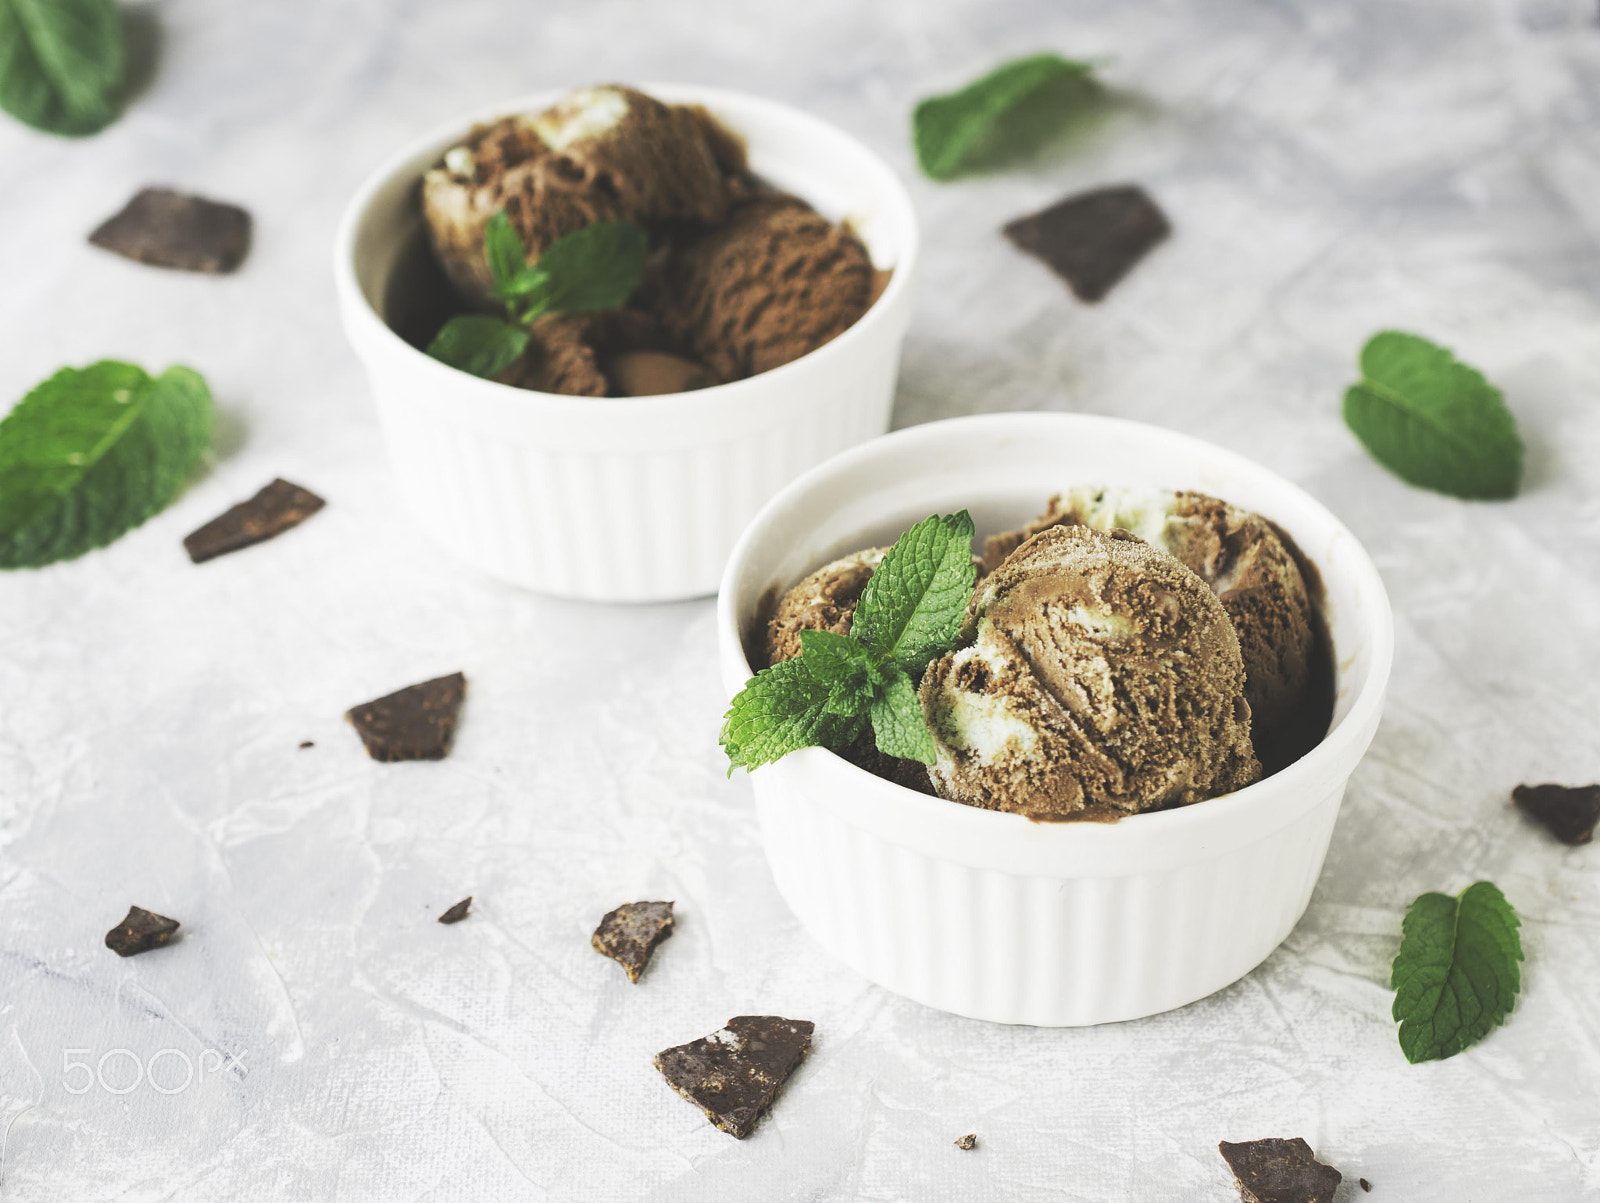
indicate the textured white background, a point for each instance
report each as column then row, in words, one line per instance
column 1331, row 167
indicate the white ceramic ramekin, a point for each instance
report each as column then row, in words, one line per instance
column 625, row 499
column 987, row 914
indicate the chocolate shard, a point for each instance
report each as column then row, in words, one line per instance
column 273, row 510
column 1279, row 1171
column 1093, row 239
column 1570, row 812
column 171, row 229
column 629, row 934
column 458, row 912
column 141, row 931
column 969, row 1141
column 414, row 723
column 734, row 1074
column 1365, row 1185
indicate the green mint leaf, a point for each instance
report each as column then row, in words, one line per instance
column 781, row 710
column 912, row 607
column 91, row 453
column 484, row 346
column 948, row 129
column 847, row 667
column 1456, row 976
column 503, row 249
column 61, row 63
column 1432, row 421
column 898, row 723
column 597, row 267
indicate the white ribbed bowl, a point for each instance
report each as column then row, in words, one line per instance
column 625, row 499
column 987, row 914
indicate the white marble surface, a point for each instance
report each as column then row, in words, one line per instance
column 1331, row 167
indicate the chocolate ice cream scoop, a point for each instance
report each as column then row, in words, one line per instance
column 1248, row 566
column 601, row 154
column 824, row 601
column 1103, row 678
column 772, row 283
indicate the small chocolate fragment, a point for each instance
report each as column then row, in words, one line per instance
column 171, row 229
column 1570, row 812
column 1279, row 1171
column 306, row 743
column 414, row 723
column 1365, row 1185
column 273, row 510
column 655, row 373
column 969, row 1141
column 734, row 1074
column 458, row 912
column 141, row 931
column 629, row 934
column 1092, row 240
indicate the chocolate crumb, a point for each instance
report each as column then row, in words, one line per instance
column 306, row 743
column 969, row 1141
column 414, row 723
column 1365, row 1185
column 141, row 931
column 458, row 912
column 629, row 934
column 1279, row 1171
column 734, row 1074
column 277, row 508
column 170, row 229
column 1569, row 812
column 1093, row 239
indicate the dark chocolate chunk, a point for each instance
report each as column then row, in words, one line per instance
column 1093, row 239
column 170, row 229
column 306, row 743
column 458, row 912
column 1570, row 812
column 1279, row 1171
column 414, row 723
column 1365, row 1185
column 275, row 509
column 969, row 1141
column 734, row 1074
column 629, row 934
column 141, row 931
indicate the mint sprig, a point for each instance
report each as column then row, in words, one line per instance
column 594, row 268
column 91, row 453
column 1433, row 421
column 949, row 129
column 910, row 612
column 61, row 63
column 1456, row 976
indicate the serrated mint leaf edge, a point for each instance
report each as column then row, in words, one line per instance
column 780, row 710
column 908, row 621
column 1419, row 1037
column 1495, row 471
column 899, row 726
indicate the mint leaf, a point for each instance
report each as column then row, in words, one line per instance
column 781, row 710
column 484, row 346
column 91, row 453
column 597, row 267
column 61, row 63
column 503, row 249
column 912, row 607
column 1456, row 976
column 847, row 667
column 947, row 129
column 1432, row 421
column 898, row 723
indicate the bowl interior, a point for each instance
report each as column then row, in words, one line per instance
column 793, row 150
column 1003, row 468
